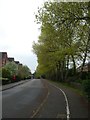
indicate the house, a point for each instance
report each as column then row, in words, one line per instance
column 3, row 58
column 20, row 64
column 17, row 62
column 10, row 59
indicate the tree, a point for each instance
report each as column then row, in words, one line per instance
column 64, row 38
column 12, row 68
column 6, row 73
column 24, row 72
column 0, row 72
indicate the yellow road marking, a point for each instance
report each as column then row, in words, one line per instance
column 41, row 105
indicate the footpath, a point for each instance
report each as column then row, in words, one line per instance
column 11, row 85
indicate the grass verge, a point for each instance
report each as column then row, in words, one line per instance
column 67, row 85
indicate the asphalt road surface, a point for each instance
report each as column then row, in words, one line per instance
column 40, row 99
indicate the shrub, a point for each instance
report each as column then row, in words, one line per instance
column 86, row 87
column 5, row 81
column 5, row 73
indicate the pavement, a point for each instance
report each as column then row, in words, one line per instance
column 11, row 85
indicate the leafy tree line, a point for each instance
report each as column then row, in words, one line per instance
column 64, row 42
column 14, row 72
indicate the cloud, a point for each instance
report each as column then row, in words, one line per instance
column 18, row 29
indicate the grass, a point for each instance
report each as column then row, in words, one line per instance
column 67, row 85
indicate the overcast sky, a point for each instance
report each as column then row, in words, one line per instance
column 18, row 29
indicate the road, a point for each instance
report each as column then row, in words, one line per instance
column 40, row 99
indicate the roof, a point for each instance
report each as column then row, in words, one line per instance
column 17, row 62
column 3, row 54
column 11, row 59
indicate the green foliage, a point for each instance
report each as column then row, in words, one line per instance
column 86, row 87
column 12, row 68
column 23, row 72
column 64, row 38
column 6, row 73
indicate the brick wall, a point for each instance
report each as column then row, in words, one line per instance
column 3, row 58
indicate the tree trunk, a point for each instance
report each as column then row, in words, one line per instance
column 85, row 55
column 74, row 65
column 67, row 68
column 58, row 66
column 63, row 66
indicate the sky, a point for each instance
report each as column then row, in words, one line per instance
column 18, row 30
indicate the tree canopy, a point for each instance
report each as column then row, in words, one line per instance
column 64, row 42
column 12, row 69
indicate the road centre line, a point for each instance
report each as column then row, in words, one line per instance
column 40, row 106
column 66, row 100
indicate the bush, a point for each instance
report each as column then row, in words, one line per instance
column 5, row 73
column 86, row 87
column 5, row 81
column 85, row 75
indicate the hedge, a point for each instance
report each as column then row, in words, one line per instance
column 86, row 87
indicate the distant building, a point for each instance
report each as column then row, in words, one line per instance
column 10, row 59
column 86, row 67
column 20, row 64
column 3, row 58
column 17, row 62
